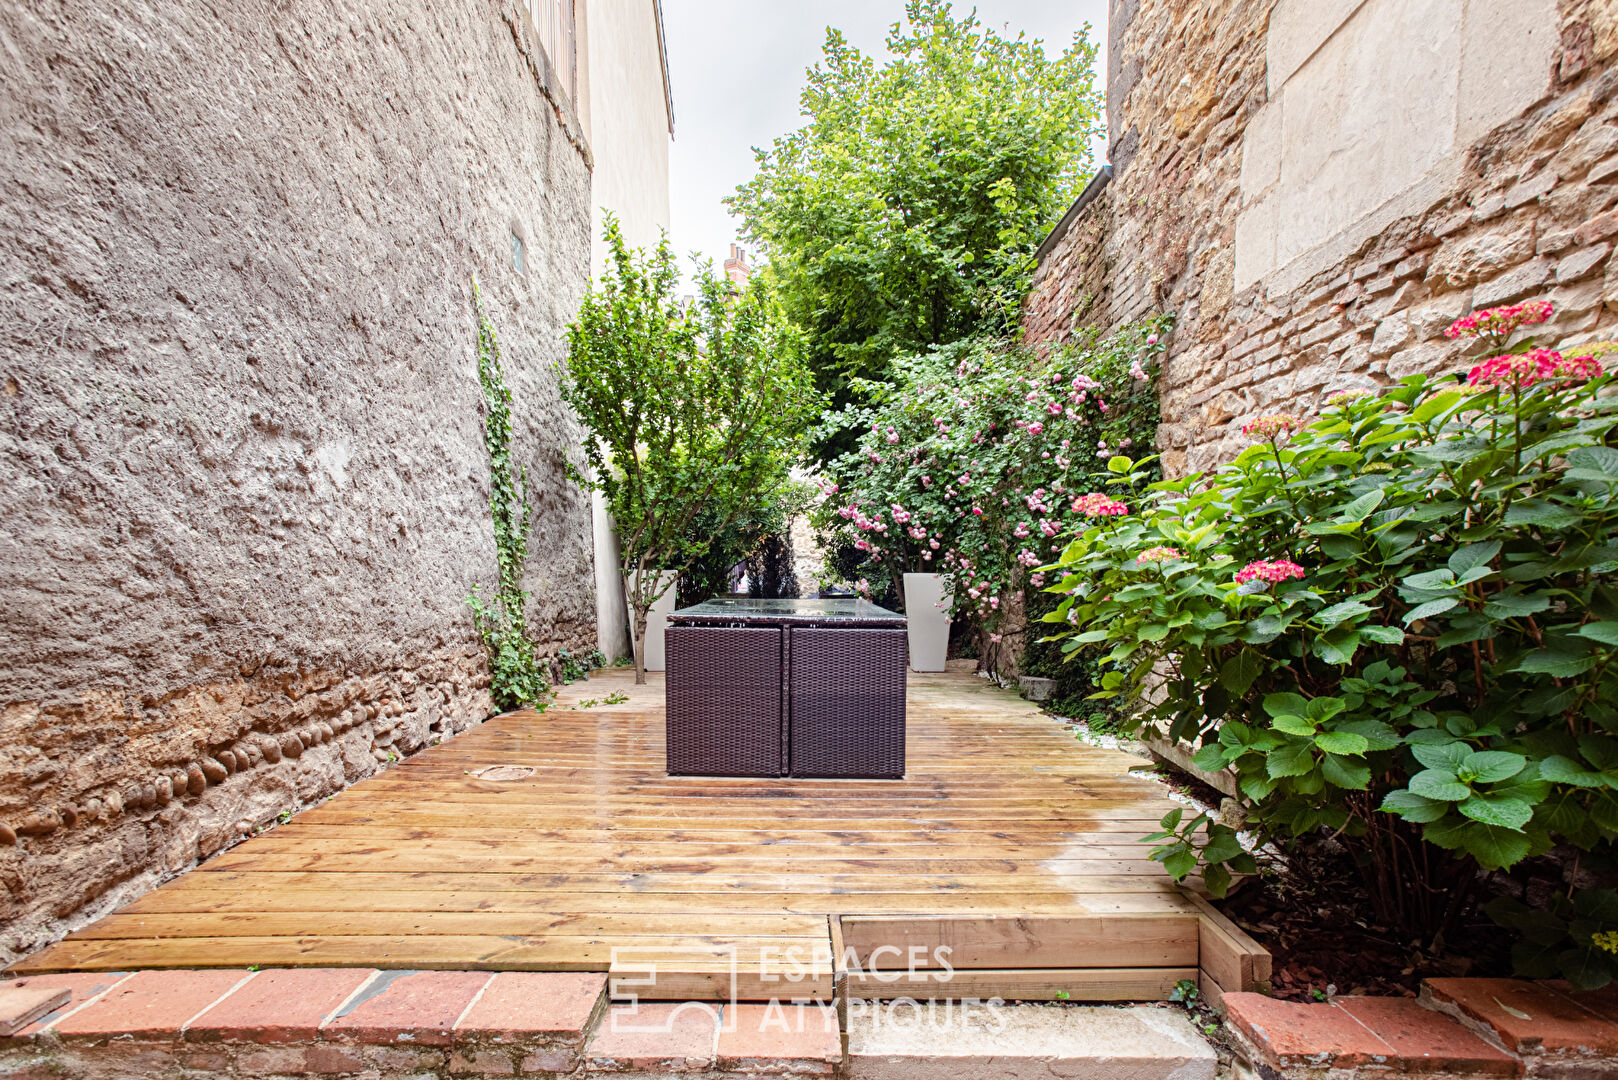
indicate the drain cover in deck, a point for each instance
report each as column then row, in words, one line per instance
column 504, row 772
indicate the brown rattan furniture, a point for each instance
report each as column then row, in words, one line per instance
column 786, row 688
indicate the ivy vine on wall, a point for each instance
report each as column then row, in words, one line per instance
column 517, row 676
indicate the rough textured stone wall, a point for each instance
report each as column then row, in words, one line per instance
column 242, row 482
column 1528, row 213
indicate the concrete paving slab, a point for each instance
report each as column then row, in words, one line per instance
column 910, row 1041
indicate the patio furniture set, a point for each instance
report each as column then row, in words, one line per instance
column 801, row 688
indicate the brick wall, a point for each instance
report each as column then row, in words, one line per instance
column 243, row 489
column 1526, row 211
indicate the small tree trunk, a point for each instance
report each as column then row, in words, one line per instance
column 640, row 644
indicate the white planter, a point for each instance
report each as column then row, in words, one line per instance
column 927, row 612
column 657, row 620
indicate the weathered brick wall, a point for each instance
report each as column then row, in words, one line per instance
column 1071, row 285
column 243, row 491
column 1529, row 214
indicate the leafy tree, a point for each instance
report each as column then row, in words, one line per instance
column 742, row 540
column 690, row 410
column 905, row 213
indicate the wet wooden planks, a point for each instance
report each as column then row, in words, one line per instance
column 599, row 861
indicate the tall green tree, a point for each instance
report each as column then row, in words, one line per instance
column 692, row 410
column 905, row 213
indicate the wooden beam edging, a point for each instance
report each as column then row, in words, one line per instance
column 1228, row 959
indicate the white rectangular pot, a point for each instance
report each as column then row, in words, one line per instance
column 927, row 615
column 657, row 620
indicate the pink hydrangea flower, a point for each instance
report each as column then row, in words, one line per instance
column 1272, row 428
column 1274, row 571
column 1500, row 321
column 1095, row 504
column 1157, row 555
column 1537, row 365
column 1343, row 397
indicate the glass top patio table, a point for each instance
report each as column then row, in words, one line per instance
column 746, row 611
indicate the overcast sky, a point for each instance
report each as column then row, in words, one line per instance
column 737, row 68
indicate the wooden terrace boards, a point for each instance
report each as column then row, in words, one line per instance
column 1008, row 841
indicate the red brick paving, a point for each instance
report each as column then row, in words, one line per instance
column 524, row 1004
column 279, row 1006
column 419, row 1007
column 759, row 1036
column 1293, row 1033
column 652, row 1036
column 150, row 1004
column 81, row 985
column 1529, row 1016
column 1424, row 1040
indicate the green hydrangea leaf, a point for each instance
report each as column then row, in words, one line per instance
column 1438, row 784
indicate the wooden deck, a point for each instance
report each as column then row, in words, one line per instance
column 1008, row 841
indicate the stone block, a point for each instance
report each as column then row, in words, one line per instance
column 1597, row 228
column 907, row 1041
column 1489, row 207
column 1255, row 244
column 1512, row 285
column 1392, row 334
column 1261, row 152
column 1526, row 191
column 1490, row 93
column 1581, row 263
column 1603, row 170
column 1297, row 29
column 1481, row 253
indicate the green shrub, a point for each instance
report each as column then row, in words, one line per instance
column 965, row 466
column 1398, row 623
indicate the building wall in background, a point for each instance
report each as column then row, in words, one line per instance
column 1319, row 189
column 629, row 120
column 243, row 489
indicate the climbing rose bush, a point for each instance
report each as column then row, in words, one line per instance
column 979, row 457
column 1397, row 623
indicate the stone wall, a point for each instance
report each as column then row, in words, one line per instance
column 243, row 491
column 1314, row 221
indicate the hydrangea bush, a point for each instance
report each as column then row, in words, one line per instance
column 973, row 462
column 1397, row 623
